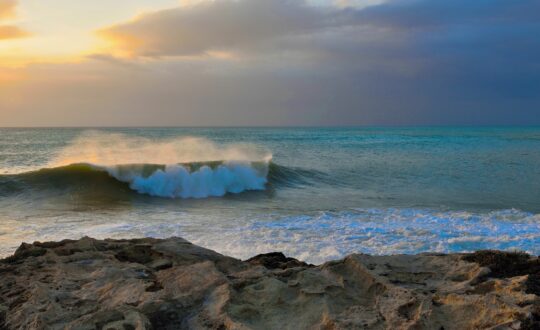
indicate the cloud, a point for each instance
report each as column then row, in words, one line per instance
column 7, row 11
column 406, row 14
column 398, row 62
column 404, row 35
column 11, row 32
column 356, row 3
column 223, row 24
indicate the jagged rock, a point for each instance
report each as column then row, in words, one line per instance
column 173, row 284
column 275, row 260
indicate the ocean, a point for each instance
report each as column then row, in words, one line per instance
column 313, row 193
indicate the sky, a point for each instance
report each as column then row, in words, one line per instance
column 269, row 62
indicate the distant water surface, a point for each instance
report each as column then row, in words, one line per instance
column 313, row 193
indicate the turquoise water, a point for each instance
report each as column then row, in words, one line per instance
column 316, row 194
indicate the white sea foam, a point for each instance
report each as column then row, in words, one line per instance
column 312, row 237
column 330, row 235
column 178, row 181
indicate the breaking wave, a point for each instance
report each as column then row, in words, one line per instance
column 182, row 167
column 193, row 180
column 185, row 180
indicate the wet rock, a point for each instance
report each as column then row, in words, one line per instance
column 509, row 264
column 24, row 251
column 505, row 264
column 138, row 253
column 275, row 260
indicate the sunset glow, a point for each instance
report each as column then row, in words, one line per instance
column 268, row 62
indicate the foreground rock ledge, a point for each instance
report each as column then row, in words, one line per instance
column 173, row 284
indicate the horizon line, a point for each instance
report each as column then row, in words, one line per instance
column 284, row 126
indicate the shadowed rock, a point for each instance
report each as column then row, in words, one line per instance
column 509, row 264
column 275, row 260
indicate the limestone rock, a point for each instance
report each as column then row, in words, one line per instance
column 173, row 284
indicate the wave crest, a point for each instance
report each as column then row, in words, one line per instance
column 107, row 164
column 184, row 182
column 195, row 167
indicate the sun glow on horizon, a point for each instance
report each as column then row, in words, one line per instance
column 58, row 31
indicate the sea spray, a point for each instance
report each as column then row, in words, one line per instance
column 109, row 149
column 191, row 167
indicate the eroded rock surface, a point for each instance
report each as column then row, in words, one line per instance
column 173, row 284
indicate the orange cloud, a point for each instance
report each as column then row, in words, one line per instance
column 122, row 44
column 10, row 76
column 11, row 32
column 216, row 26
column 7, row 9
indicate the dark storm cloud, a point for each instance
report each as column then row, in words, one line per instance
column 444, row 13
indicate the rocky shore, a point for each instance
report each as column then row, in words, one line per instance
column 173, row 284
